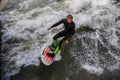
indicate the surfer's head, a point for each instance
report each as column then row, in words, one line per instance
column 69, row 18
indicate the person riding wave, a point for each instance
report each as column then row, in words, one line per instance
column 67, row 34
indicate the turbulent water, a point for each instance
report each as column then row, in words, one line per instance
column 25, row 34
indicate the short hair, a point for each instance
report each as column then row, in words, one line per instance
column 70, row 16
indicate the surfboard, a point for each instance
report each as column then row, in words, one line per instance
column 47, row 60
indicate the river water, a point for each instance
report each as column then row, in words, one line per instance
column 94, row 51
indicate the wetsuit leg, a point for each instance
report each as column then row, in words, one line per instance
column 55, row 42
column 64, row 39
column 60, row 34
column 60, row 44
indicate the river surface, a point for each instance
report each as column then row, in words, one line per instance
column 93, row 53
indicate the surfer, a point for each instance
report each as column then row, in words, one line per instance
column 67, row 34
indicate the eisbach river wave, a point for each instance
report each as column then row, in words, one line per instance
column 95, row 47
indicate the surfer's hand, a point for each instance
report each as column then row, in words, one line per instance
column 67, row 41
column 49, row 28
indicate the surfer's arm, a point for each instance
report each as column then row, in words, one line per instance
column 58, row 23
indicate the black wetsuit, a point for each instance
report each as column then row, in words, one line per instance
column 67, row 32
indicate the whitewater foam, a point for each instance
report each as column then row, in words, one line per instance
column 93, row 69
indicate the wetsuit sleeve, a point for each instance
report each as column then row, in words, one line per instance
column 58, row 23
column 72, row 32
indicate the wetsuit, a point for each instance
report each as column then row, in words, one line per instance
column 67, row 33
